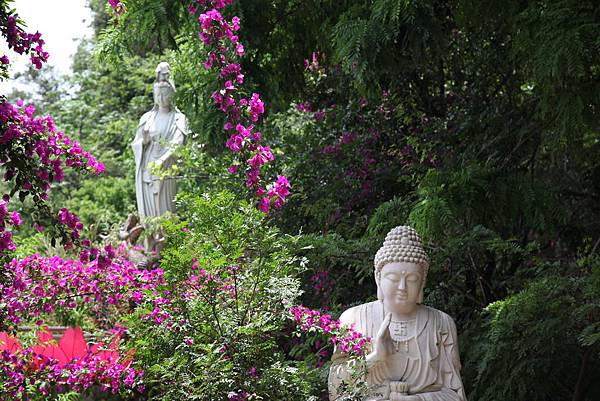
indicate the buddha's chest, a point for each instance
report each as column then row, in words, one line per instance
column 401, row 363
column 405, row 349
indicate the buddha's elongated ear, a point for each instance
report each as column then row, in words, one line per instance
column 424, row 269
column 377, row 282
column 420, row 297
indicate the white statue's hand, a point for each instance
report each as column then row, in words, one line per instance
column 382, row 346
column 145, row 137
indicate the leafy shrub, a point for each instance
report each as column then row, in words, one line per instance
column 539, row 344
column 231, row 278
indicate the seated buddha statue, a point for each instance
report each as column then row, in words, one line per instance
column 413, row 353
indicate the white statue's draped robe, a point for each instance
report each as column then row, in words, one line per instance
column 155, row 196
column 428, row 361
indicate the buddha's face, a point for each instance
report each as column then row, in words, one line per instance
column 400, row 285
column 163, row 75
column 163, row 94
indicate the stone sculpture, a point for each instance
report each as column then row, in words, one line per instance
column 159, row 131
column 413, row 355
column 131, row 230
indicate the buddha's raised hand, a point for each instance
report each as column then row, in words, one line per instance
column 382, row 345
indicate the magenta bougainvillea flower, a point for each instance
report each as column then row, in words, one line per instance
column 346, row 339
column 219, row 36
column 67, row 364
column 43, row 153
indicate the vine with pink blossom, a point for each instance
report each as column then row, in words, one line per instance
column 347, row 339
column 243, row 114
column 33, row 153
column 20, row 41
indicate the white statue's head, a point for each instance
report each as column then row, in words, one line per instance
column 401, row 266
column 164, row 87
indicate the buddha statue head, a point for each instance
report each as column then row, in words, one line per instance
column 401, row 266
column 164, row 87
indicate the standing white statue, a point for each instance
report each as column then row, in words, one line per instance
column 160, row 130
column 413, row 355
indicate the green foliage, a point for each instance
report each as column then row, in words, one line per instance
column 377, row 39
column 487, row 121
column 228, row 330
column 148, row 27
column 102, row 203
column 526, row 335
column 475, row 196
column 555, row 43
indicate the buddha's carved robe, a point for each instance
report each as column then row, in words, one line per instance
column 428, row 362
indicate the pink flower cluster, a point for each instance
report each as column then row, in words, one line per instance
column 21, row 41
column 117, row 5
column 34, row 154
column 211, row 285
column 347, row 339
column 39, row 285
column 346, row 138
column 159, row 314
column 313, row 64
column 304, row 107
column 70, row 220
column 6, row 242
column 219, row 35
column 42, row 142
column 69, row 365
column 276, row 194
column 238, row 396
